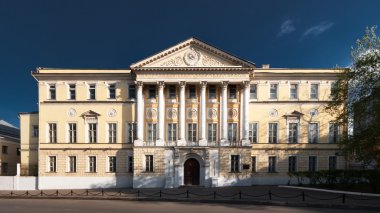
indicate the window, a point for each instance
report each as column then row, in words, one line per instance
column 192, row 132
column 92, row 137
column 111, row 164
column 5, row 149
column 272, row 164
column 254, row 169
column 252, row 134
column 112, row 127
column 232, row 132
column 18, row 151
column 212, row 132
column 132, row 92
column 4, row 168
column 131, row 131
column 52, row 91
column 314, row 91
column 72, row 132
column 52, row 164
column 272, row 137
column 235, row 163
column 313, row 133
column 152, row 92
column 232, row 92
column 212, row 92
column 91, row 91
column 172, row 132
column 52, row 133
column 192, row 92
column 312, row 163
column 152, row 133
column 293, row 133
column 172, row 92
column 112, row 91
column 148, row 163
column 92, row 164
column 293, row 91
column 130, row 164
column 72, row 164
column 72, row 94
column 332, row 162
column 333, row 133
column 273, row 91
column 253, row 91
column 35, row 131
column 292, row 167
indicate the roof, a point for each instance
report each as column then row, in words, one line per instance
column 9, row 131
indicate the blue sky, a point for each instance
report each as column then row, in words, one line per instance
column 115, row 34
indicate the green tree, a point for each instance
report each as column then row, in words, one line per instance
column 356, row 97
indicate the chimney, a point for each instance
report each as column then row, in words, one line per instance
column 266, row 66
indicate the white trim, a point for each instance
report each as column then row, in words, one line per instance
column 108, row 132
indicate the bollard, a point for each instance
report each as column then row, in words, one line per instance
column 344, row 198
column 303, row 196
column 187, row 193
column 270, row 195
column 240, row 195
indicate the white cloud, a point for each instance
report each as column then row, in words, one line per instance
column 318, row 29
column 286, row 28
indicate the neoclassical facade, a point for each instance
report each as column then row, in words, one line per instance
column 189, row 115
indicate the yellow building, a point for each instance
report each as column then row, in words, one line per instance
column 189, row 115
column 10, row 148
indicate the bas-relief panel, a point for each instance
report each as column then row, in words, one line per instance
column 192, row 57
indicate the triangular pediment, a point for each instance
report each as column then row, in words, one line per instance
column 192, row 53
column 90, row 113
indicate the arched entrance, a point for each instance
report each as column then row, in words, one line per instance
column 191, row 172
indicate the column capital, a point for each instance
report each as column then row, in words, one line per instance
column 246, row 84
column 161, row 83
column 139, row 83
column 203, row 83
column 224, row 84
column 182, row 84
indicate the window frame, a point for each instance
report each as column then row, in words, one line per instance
column 192, row 133
column 111, row 164
column 131, row 132
column 92, row 133
column 172, row 133
column 112, row 132
column 316, row 92
column 334, row 163
column 272, row 166
column 232, row 132
column 291, row 134
column 52, row 91
column 151, row 133
column 192, row 94
column 253, row 164
column 212, row 92
column 232, row 91
column 35, row 131
column 52, row 133
column 131, row 91
column 213, row 129
column 292, row 166
column 72, row 91
column 235, row 163
column 334, row 136
column 112, row 91
column 172, row 92
column 152, row 92
column 253, row 95
column 275, row 97
column 92, row 165
column 269, row 133
column 72, row 133
column 309, row 138
column 91, row 91
column 71, row 166
column 313, row 167
column 149, row 163
column 293, row 96
column 52, row 164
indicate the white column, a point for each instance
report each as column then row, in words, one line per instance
column 245, row 140
column 140, row 114
column 161, row 114
column 224, row 140
column 182, row 118
column 202, row 125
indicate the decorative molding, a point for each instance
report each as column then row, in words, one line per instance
column 224, row 84
column 182, row 84
column 246, row 84
column 191, row 57
column 212, row 113
column 313, row 112
column 172, row 113
column 175, row 62
column 71, row 112
column 192, row 113
column 203, row 83
column 273, row 113
column 232, row 113
column 139, row 83
column 161, row 84
column 151, row 113
column 111, row 113
column 212, row 62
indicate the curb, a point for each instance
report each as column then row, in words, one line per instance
column 332, row 191
column 233, row 202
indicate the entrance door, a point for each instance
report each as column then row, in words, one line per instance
column 191, row 172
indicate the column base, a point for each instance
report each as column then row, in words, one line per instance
column 138, row 142
column 203, row 142
column 224, row 142
column 245, row 142
column 181, row 142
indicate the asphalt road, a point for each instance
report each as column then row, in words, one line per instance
column 115, row 206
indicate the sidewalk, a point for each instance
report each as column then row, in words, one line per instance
column 254, row 195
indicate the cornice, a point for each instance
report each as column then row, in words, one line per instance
column 136, row 70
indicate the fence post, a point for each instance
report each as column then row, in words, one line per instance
column 120, row 192
column 240, row 195
column 138, row 193
column 160, row 194
column 270, row 195
column 42, row 193
column 11, row 193
column 56, row 193
column 344, row 198
column 187, row 193
column 214, row 195
column 71, row 192
column 27, row 193
column 303, row 196
column 102, row 192
column 87, row 192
